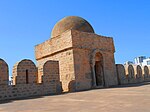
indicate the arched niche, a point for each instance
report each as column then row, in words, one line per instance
column 97, row 64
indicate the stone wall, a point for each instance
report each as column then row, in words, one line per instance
column 24, row 72
column 66, row 67
column 83, row 72
column 130, row 74
column 25, row 80
column 74, row 50
column 85, row 47
column 121, row 74
column 3, row 72
column 58, row 48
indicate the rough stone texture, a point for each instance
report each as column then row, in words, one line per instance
column 122, row 77
column 59, row 49
column 138, row 73
column 146, row 73
column 23, row 88
column 74, row 59
column 86, row 46
column 130, row 74
column 24, row 72
column 8, row 92
column 71, row 22
column 50, row 74
column 75, row 52
column 3, row 72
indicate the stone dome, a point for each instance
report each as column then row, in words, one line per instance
column 71, row 22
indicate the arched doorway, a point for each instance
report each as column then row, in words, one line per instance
column 98, row 69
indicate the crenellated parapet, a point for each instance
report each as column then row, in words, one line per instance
column 25, row 80
column 146, row 73
column 138, row 73
column 121, row 74
column 24, row 72
column 26, row 76
column 50, row 74
column 3, row 72
column 129, row 74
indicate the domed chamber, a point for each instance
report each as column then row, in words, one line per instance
column 71, row 23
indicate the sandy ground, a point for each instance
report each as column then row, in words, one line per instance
column 119, row 99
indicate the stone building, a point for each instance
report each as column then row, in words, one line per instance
column 73, row 59
column 86, row 60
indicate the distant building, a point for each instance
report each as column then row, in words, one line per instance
column 128, row 63
column 139, row 60
column 10, row 82
column 146, row 61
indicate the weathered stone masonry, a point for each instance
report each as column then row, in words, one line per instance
column 75, row 45
column 73, row 59
column 131, row 74
column 25, row 82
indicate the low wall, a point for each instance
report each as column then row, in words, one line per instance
column 129, row 74
column 25, row 80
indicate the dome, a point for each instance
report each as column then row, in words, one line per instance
column 71, row 22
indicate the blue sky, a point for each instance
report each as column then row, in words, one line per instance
column 26, row 23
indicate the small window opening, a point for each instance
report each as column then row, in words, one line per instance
column 27, row 77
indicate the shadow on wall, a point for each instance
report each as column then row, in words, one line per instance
column 25, row 80
column 72, row 86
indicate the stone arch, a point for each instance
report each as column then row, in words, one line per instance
column 4, row 75
column 138, row 73
column 146, row 73
column 24, row 72
column 130, row 73
column 97, row 65
column 122, row 78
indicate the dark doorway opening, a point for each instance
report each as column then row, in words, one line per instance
column 98, row 68
column 98, row 73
